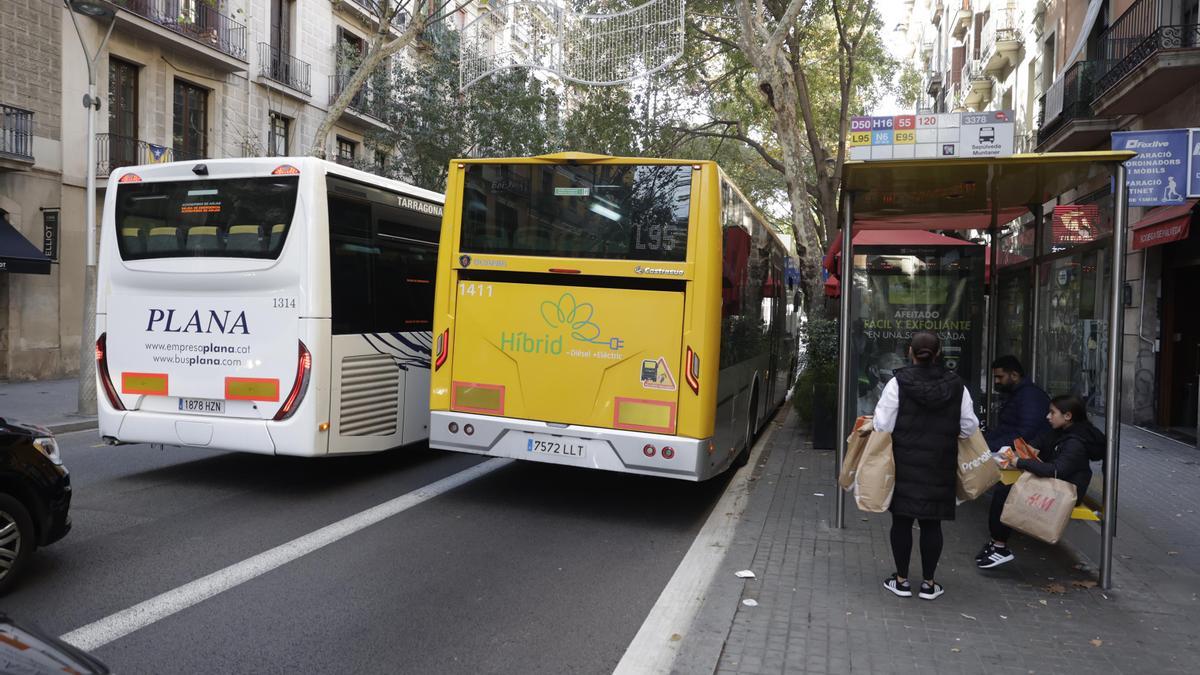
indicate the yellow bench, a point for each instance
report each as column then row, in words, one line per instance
column 1088, row 510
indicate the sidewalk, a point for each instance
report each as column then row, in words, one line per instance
column 49, row 403
column 822, row 608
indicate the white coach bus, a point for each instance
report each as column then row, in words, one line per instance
column 267, row 305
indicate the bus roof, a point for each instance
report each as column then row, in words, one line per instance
column 579, row 158
column 241, row 167
column 967, row 193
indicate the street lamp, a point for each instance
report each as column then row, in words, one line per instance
column 87, row 360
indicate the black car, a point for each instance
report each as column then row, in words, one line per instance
column 35, row 496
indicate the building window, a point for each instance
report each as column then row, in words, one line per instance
column 122, row 113
column 345, row 150
column 190, row 131
column 277, row 135
column 381, row 160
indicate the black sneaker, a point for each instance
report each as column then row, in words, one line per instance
column 931, row 591
column 994, row 556
column 900, row 588
column 984, row 552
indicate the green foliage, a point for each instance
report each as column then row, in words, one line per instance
column 818, row 374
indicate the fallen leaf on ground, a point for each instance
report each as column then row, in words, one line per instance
column 967, row 616
column 1083, row 583
column 1004, row 617
column 1097, row 642
column 744, row 574
column 750, row 602
column 955, row 649
column 1054, row 588
column 1043, row 602
column 676, row 637
column 818, row 494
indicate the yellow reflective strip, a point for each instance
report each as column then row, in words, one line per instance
column 251, row 389
column 645, row 415
column 152, row 384
column 471, row 397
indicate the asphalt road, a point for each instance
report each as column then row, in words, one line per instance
column 529, row 569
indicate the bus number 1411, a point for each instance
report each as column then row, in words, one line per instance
column 482, row 290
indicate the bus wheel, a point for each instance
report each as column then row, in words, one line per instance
column 743, row 457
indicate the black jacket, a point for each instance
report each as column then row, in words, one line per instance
column 925, row 442
column 1063, row 454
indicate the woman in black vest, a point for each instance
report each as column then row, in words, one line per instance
column 926, row 408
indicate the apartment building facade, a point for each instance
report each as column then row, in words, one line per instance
column 1074, row 72
column 177, row 80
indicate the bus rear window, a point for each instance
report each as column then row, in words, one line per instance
column 615, row 211
column 227, row 218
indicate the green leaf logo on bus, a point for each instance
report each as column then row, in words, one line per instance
column 566, row 313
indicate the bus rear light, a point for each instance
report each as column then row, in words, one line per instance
column 102, row 370
column 648, row 450
column 130, row 178
column 691, row 370
column 644, row 415
column 441, row 350
column 453, row 427
column 668, row 452
column 299, row 387
column 469, row 429
column 487, row 399
column 285, row 170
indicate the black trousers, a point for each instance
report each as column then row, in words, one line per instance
column 902, row 541
column 999, row 531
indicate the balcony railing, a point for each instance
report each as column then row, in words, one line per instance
column 195, row 19
column 283, row 68
column 1001, row 31
column 16, row 133
column 368, row 101
column 1079, row 88
column 1138, row 34
column 114, row 151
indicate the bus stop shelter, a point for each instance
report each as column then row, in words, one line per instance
column 983, row 194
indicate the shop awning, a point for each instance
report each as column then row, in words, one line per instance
column 1163, row 225
column 17, row 254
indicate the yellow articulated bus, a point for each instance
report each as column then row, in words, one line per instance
column 616, row 313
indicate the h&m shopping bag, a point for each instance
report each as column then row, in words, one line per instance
column 855, row 443
column 1039, row 507
column 976, row 470
column 875, row 478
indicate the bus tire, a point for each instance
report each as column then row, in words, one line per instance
column 743, row 457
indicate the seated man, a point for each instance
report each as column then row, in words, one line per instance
column 1023, row 413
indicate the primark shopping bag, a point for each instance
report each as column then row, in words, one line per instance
column 1039, row 507
column 855, row 443
column 875, row 478
column 976, row 470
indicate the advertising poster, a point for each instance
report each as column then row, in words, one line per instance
column 1158, row 176
column 906, row 289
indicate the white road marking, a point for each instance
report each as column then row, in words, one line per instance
column 112, row 627
column 654, row 648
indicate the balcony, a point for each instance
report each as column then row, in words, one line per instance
column 1150, row 59
column 933, row 83
column 210, row 35
column 283, row 68
column 1000, row 41
column 114, row 152
column 976, row 86
column 369, row 105
column 16, row 138
column 936, row 12
column 960, row 17
column 1069, row 121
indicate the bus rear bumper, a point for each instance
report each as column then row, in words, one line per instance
column 608, row 449
column 196, row 431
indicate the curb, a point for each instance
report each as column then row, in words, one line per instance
column 68, row 427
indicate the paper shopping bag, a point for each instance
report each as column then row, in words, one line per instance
column 875, row 479
column 1039, row 507
column 976, row 470
column 855, row 442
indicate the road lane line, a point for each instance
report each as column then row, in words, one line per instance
column 653, row 650
column 112, row 627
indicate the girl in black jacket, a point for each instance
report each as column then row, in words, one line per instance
column 1064, row 452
